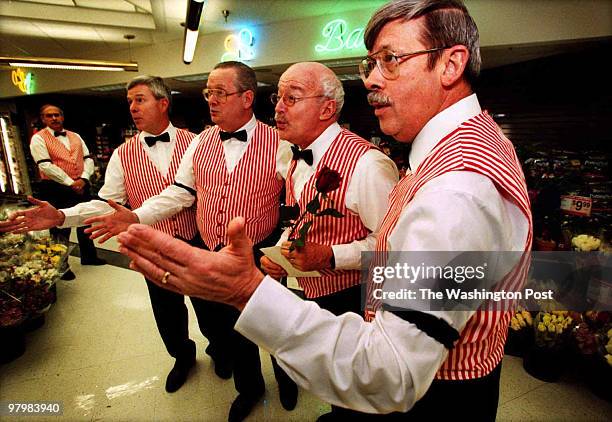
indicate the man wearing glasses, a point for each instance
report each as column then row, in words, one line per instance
column 65, row 166
column 308, row 103
column 466, row 192
column 236, row 167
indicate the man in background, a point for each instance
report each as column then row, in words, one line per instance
column 65, row 166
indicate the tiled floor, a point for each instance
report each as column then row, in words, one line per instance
column 99, row 353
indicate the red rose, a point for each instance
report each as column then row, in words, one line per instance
column 327, row 180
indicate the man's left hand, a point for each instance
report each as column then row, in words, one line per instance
column 310, row 257
column 110, row 225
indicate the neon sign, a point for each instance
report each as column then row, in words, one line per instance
column 239, row 47
column 338, row 37
column 23, row 81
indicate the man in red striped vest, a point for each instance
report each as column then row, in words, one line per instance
column 309, row 101
column 233, row 168
column 65, row 166
column 465, row 192
column 138, row 169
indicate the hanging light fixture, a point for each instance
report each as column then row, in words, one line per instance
column 73, row 64
column 192, row 25
column 68, row 64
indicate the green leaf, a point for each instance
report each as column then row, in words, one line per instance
column 298, row 243
column 313, row 206
column 304, row 230
column 330, row 211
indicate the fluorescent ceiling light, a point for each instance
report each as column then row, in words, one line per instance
column 68, row 64
column 192, row 26
column 191, row 39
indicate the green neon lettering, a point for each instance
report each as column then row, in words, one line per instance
column 333, row 32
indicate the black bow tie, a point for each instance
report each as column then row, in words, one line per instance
column 241, row 135
column 56, row 133
column 151, row 140
column 305, row 155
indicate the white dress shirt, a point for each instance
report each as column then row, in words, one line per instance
column 174, row 198
column 38, row 149
column 388, row 364
column 114, row 179
column 367, row 194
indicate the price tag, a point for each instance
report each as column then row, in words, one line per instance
column 576, row 205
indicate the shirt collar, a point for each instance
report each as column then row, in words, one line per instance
column 441, row 125
column 52, row 131
column 170, row 129
column 320, row 145
column 249, row 127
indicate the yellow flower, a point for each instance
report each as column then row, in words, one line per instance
column 609, row 359
column 541, row 327
column 609, row 347
column 527, row 317
column 546, row 318
column 551, row 328
column 559, row 329
column 520, row 320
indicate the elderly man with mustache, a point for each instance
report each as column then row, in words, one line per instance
column 308, row 103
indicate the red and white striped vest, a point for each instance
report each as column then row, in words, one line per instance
column 477, row 145
column 69, row 161
column 143, row 180
column 251, row 190
column 342, row 156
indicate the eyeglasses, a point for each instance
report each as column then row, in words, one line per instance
column 219, row 94
column 289, row 100
column 388, row 62
column 51, row 115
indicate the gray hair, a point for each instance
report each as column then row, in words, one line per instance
column 158, row 87
column 332, row 89
column 447, row 23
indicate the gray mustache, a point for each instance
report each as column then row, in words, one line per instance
column 376, row 97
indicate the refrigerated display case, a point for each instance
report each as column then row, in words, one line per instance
column 14, row 178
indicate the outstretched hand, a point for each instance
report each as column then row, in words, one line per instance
column 228, row 276
column 42, row 216
column 112, row 224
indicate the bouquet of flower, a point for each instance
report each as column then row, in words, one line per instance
column 327, row 181
column 29, row 266
column 552, row 329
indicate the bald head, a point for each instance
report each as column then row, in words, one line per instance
column 319, row 78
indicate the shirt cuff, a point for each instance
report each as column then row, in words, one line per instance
column 346, row 258
column 269, row 314
column 145, row 217
column 71, row 218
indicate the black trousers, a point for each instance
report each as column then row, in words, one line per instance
column 469, row 400
column 62, row 196
column 228, row 345
column 171, row 316
column 338, row 303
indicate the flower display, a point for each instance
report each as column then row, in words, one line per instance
column 521, row 319
column 327, row 181
column 29, row 265
column 585, row 243
column 551, row 329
